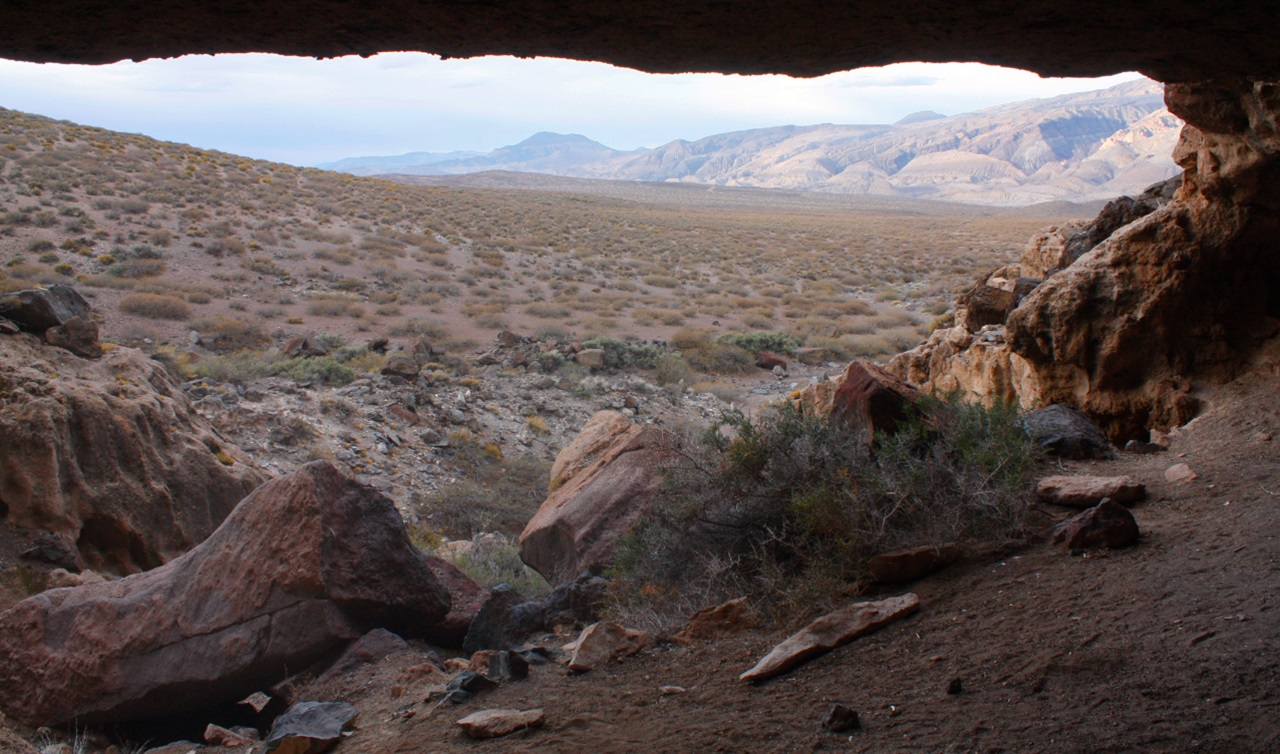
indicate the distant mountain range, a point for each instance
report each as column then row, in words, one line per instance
column 1077, row 147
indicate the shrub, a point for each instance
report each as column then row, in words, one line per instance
column 760, row 340
column 136, row 268
column 720, row 358
column 493, row 493
column 494, row 559
column 672, row 369
column 620, row 354
column 226, row 335
column 155, row 306
column 789, row 506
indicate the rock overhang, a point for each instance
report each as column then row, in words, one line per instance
column 1179, row 40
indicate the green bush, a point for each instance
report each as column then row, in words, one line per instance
column 760, row 340
column 672, row 369
column 790, row 507
column 620, row 354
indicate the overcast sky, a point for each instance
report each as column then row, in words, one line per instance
column 306, row 111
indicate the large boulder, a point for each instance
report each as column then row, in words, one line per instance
column 601, row 484
column 866, row 397
column 38, row 309
column 871, row 399
column 110, row 455
column 307, row 563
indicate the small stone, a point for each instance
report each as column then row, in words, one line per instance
column 671, row 690
column 493, row 723
column 956, row 686
column 719, row 621
column 601, row 642
column 257, row 700
column 905, row 566
column 220, row 736
column 457, row 417
column 841, row 718
column 1180, row 474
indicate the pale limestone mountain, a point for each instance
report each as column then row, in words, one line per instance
column 1077, row 147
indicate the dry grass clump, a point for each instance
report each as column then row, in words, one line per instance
column 155, row 306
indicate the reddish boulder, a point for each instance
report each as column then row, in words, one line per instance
column 79, row 335
column 305, row 564
column 770, row 361
column 1108, row 524
column 871, row 400
column 110, row 455
column 600, row 486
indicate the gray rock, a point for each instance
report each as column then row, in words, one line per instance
column 841, row 718
column 310, row 727
column 38, row 309
column 1067, row 432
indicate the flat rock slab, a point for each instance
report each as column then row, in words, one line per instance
column 1088, row 491
column 310, row 727
column 492, row 723
column 830, row 631
column 905, row 566
column 601, row 642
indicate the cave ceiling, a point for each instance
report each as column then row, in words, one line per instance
column 1173, row 40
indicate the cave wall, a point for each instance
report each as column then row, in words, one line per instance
column 1175, row 40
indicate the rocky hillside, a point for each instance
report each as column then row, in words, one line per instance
column 1078, row 147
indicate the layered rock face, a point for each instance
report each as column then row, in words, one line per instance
column 109, row 455
column 306, row 563
column 1184, row 292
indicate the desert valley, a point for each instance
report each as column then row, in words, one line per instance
column 955, row 434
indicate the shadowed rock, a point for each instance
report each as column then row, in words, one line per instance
column 1108, row 524
column 39, row 309
column 305, row 564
